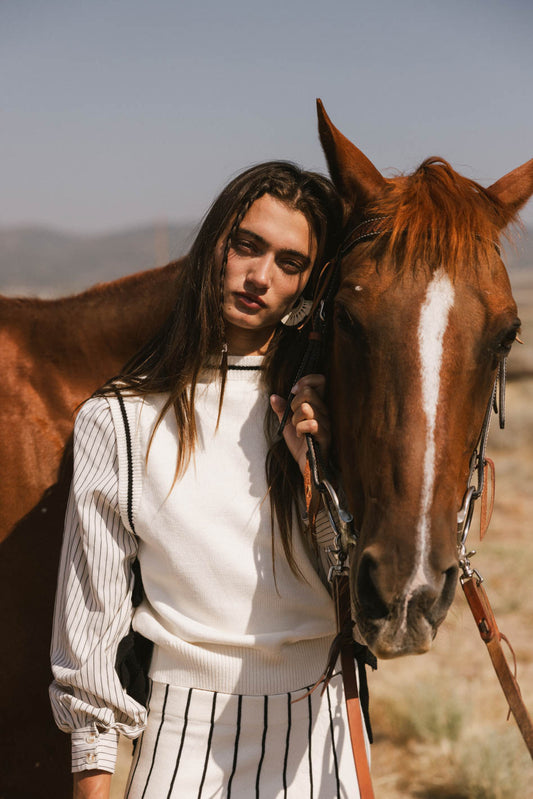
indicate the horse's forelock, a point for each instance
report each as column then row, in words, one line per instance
column 440, row 219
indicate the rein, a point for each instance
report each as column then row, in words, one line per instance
column 319, row 488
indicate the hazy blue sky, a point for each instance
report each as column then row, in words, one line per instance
column 123, row 111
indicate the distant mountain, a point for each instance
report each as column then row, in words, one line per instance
column 43, row 262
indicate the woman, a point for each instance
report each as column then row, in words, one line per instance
column 170, row 470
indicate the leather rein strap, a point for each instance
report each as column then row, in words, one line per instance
column 342, row 646
column 317, row 488
column 341, row 587
column 488, row 630
column 471, row 579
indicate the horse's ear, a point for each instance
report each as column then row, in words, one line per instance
column 355, row 177
column 515, row 188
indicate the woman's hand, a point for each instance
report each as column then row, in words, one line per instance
column 91, row 784
column 309, row 415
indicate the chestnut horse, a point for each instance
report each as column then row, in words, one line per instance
column 53, row 355
column 422, row 315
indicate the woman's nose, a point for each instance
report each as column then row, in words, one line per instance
column 260, row 272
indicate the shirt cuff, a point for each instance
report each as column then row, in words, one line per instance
column 94, row 749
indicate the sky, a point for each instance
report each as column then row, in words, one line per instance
column 122, row 112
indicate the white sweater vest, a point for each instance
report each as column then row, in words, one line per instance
column 219, row 616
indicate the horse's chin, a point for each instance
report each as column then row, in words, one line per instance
column 386, row 646
column 395, row 637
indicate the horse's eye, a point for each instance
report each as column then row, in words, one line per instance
column 344, row 319
column 346, row 322
column 506, row 339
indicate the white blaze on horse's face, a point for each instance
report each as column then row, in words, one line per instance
column 432, row 326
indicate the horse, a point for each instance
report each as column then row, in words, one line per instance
column 53, row 355
column 421, row 318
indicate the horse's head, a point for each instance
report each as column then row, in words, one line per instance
column 422, row 316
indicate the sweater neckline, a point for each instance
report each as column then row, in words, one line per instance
column 245, row 362
column 240, row 367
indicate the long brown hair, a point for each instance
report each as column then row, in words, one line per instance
column 193, row 335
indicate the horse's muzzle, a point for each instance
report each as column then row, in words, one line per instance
column 400, row 620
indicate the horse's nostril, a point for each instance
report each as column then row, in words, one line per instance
column 445, row 598
column 368, row 595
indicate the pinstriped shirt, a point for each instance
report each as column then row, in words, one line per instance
column 93, row 604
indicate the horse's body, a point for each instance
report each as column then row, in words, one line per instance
column 53, row 355
column 421, row 318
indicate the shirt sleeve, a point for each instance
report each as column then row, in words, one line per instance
column 93, row 607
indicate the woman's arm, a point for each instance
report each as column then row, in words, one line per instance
column 93, row 601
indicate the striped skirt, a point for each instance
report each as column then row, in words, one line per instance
column 203, row 744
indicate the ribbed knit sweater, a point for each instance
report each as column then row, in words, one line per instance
column 220, row 616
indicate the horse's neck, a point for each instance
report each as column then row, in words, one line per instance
column 118, row 318
column 85, row 339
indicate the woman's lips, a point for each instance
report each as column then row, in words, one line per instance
column 251, row 301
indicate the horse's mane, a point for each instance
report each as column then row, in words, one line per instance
column 439, row 218
column 94, row 294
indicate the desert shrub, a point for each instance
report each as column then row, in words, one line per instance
column 424, row 712
column 492, row 765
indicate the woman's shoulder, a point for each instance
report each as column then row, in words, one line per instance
column 122, row 410
column 92, row 409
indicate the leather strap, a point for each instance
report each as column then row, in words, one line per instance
column 487, row 503
column 488, row 629
column 351, row 694
column 341, row 595
column 312, row 497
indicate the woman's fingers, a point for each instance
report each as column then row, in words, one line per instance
column 278, row 405
column 309, row 415
column 316, row 382
column 309, row 411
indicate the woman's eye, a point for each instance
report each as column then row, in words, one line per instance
column 244, row 247
column 292, row 266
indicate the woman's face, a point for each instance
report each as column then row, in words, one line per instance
column 269, row 263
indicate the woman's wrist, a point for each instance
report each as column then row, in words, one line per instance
column 92, row 784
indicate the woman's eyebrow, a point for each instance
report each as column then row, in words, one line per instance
column 252, row 235
column 286, row 251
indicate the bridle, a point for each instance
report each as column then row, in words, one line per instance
column 477, row 470
column 345, row 534
column 341, row 520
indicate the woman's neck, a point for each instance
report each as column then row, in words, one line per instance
column 248, row 342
